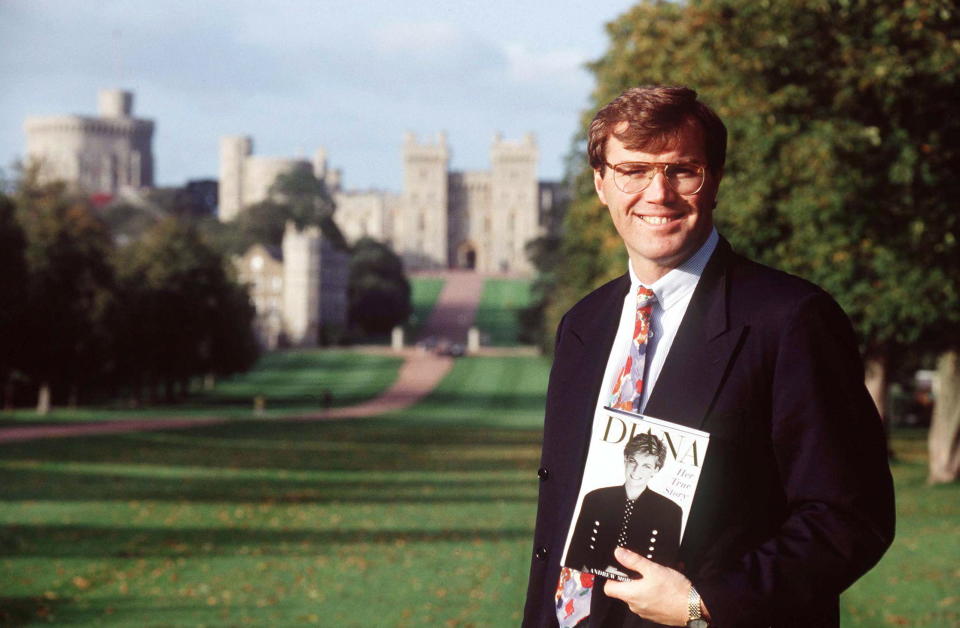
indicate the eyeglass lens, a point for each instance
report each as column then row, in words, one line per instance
column 635, row 177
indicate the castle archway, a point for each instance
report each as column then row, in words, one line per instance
column 467, row 256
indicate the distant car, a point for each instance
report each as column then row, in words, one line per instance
column 452, row 349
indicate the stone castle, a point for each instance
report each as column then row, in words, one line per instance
column 479, row 220
column 106, row 154
column 299, row 290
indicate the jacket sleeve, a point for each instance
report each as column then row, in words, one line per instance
column 830, row 452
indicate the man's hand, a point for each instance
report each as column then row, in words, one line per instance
column 660, row 594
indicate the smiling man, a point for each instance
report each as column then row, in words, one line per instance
column 795, row 499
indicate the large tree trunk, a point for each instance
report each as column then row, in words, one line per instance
column 9, row 389
column 43, row 399
column 74, row 397
column 943, row 441
column 875, row 379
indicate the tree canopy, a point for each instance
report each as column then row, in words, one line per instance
column 379, row 293
column 844, row 149
column 80, row 314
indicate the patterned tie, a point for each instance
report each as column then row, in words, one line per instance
column 575, row 588
column 629, row 385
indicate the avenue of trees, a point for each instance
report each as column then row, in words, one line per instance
column 136, row 301
column 842, row 166
column 84, row 317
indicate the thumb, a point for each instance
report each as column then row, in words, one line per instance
column 631, row 560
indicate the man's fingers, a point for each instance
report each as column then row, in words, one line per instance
column 632, row 560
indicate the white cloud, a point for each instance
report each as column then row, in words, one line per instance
column 418, row 38
column 554, row 67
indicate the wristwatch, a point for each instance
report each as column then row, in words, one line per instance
column 694, row 616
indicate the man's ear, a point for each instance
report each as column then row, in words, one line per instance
column 598, row 185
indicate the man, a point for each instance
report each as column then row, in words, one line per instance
column 795, row 499
column 628, row 515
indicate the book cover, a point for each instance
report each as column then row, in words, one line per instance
column 638, row 484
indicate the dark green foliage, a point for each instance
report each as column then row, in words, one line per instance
column 308, row 202
column 298, row 197
column 544, row 254
column 379, row 293
column 260, row 223
column 844, row 148
column 61, row 339
column 13, row 282
column 178, row 312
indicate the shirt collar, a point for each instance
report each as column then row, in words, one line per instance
column 682, row 280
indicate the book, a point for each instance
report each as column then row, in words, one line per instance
column 638, row 484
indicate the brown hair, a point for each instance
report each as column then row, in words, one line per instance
column 646, row 443
column 655, row 116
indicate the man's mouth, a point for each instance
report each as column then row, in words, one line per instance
column 657, row 220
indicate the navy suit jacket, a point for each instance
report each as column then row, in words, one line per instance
column 795, row 500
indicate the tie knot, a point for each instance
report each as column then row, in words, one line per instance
column 645, row 296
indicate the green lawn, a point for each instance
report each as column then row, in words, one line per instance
column 421, row 518
column 424, row 292
column 500, row 304
column 290, row 381
column 917, row 583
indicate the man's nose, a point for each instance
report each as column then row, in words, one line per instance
column 658, row 191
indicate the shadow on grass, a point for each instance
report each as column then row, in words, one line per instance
column 74, row 541
column 69, row 486
column 356, row 461
column 21, row 611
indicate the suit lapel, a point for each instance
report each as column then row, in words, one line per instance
column 595, row 332
column 701, row 351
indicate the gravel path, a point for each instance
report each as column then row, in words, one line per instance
column 419, row 374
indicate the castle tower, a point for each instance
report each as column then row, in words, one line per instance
column 234, row 151
column 315, row 278
column 421, row 224
column 114, row 103
column 514, row 203
column 301, row 285
column 96, row 154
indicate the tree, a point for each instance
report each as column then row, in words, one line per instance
column 308, row 202
column 378, row 293
column 13, row 282
column 179, row 314
column 260, row 223
column 296, row 196
column 844, row 149
column 63, row 339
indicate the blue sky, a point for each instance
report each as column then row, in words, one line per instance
column 297, row 74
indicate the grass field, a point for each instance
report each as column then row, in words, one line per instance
column 500, row 303
column 291, row 382
column 917, row 583
column 421, row 518
column 423, row 294
column 413, row 520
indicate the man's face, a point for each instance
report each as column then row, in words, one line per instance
column 659, row 227
column 638, row 469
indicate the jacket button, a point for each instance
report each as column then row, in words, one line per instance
column 541, row 553
column 543, row 473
